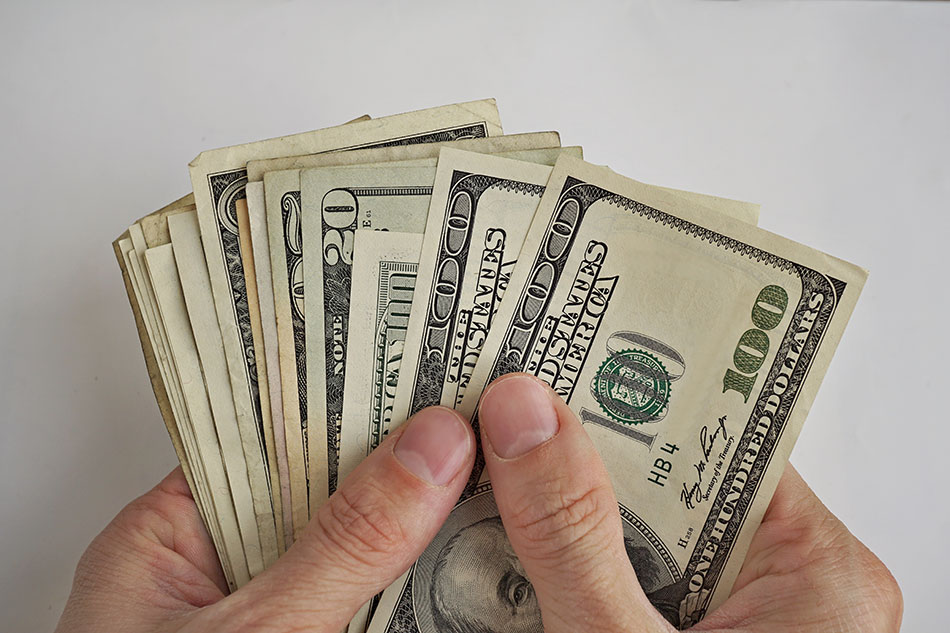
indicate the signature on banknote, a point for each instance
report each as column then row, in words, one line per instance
column 708, row 440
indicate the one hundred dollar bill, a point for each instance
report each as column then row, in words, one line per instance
column 480, row 210
column 691, row 346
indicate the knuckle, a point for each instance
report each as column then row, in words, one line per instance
column 562, row 519
column 142, row 516
column 155, row 515
column 360, row 525
column 272, row 614
column 866, row 576
column 887, row 593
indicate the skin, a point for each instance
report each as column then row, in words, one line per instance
column 154, row 567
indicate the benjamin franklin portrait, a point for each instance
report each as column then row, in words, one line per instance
column 469, row 580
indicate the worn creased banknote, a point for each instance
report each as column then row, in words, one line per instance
column 689, row 344
column 383, row 279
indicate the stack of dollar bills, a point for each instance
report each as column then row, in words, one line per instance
column 316, row 290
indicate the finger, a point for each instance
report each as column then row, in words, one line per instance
column 190, row 538
column 370, row 531
column 559, row 511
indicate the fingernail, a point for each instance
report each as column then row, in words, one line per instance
column 517, row 415
column 434, row 446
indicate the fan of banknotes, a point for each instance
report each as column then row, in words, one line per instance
column 316, row 290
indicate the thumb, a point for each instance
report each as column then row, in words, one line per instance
column 369, row 532
column 560, row 511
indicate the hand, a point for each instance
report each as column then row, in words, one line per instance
column 804, row 571
column 154, row 567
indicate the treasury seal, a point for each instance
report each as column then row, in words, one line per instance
column 632, row 387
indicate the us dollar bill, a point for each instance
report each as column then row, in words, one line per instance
column 134, row 250
column 279, row 242
column 287, row 219
column 253, row 299
column 481, row 209
column 255, row 255
column 451, row 122
column 218, row 180
column 383, row 282
column 383, row 279
column 196, row 287
column 390, row 196
column 265, row 348
column 224, row 530
column 145, row 236
column 691, row 346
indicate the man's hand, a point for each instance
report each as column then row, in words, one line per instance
column 154, row 567
column 804, row 571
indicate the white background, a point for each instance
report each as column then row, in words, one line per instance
column 833, row 115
